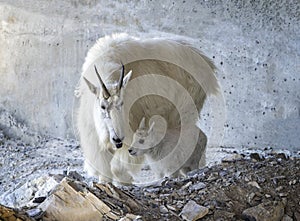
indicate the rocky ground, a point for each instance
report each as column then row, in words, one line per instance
column 45, row 181
column 240, row 188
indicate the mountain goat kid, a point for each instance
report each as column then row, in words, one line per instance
column 146, row 143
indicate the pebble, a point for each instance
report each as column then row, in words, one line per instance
column 251, row 197
column 279, row 188
column 247, row 179
column 220, row 214
column 256, row 156
column 171, row 208
column 34, row 212
column 131, row 217
column 39, row 199
column 284, row 156
column 213, row 176
column 255, row 184
column 232, row 158
column 197, row 186
column 163, row 209
column 293, row 182
column 283, row 194
column 151, row 189
column 187, row 185
column 179, row 204
column 192, row 211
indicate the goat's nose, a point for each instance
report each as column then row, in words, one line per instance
column 119, row 145
column 130, row 150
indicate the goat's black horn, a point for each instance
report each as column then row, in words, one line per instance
column 106, row 94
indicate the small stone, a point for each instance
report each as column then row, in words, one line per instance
column 251, row 197
column 232, row 158
column 247, row 179
column 283, row 194
column 275, row 179
column 192, row 211
column 133, row 217
column 256, row 156
column 213, row 177
column 39, row 199
column 171, row 208
column 151, row 190
column 179, row 204
column 74, row 175
column 220, row 214
column 284, row 156
column 284, row 201
column 255, row 184
column 34, row 212
column 187, row 185
column 125, row 219
column 279, row 188
column 163, row 209
column 197, row 186
column 293, row 182
column 261, row 179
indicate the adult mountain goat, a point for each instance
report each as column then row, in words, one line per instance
column 125, row 79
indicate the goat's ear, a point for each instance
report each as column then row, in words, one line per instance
column 92, row 87
column 151, row 127
column 126, row 79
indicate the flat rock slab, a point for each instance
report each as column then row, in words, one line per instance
column 72, row 202
column 67, row 204
column 192, row 211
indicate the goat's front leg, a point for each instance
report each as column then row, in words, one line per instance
column 120, row 168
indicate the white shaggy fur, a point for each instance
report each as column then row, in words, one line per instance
column 145, row 143
column 169, row 58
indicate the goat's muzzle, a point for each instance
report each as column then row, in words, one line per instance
column 132, row 152
column 119, row 145
column 118, row 142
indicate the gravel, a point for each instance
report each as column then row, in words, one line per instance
column 237, row 184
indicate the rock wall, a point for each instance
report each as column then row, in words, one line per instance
column 254, row 44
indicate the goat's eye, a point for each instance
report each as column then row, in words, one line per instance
column 103, row 104
column 141, row 141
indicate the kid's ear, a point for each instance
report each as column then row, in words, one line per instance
column 142, row 123
column 92, row 87
column 151, row 127
column 126, row 79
